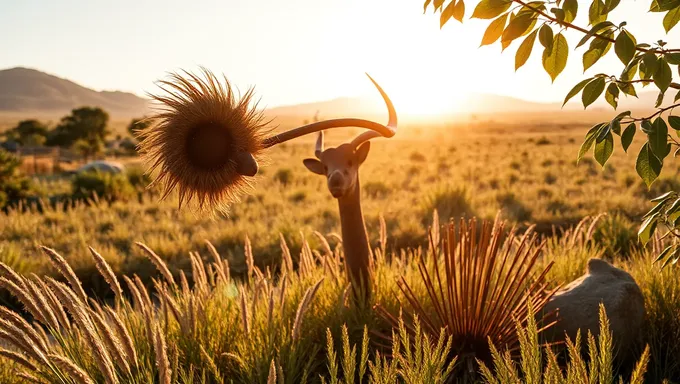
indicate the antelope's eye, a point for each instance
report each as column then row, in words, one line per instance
column 349, row 163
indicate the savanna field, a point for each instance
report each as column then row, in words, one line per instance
column 259, row 295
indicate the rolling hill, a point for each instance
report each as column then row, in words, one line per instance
column 26, row 91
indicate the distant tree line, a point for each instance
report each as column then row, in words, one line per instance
column 84, row 131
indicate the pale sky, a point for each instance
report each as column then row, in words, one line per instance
column 293, row 51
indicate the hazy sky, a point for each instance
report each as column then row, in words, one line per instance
column 292, row 50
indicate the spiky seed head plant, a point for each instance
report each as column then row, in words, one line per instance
column 478, row 281
column 205, row 140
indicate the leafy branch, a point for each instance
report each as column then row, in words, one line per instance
column 643, row 65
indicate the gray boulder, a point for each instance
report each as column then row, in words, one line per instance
column 577, row 306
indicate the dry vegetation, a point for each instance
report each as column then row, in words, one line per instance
column 214, row 314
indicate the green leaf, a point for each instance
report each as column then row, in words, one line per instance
column 663, row 75
column 598, row 48
column 663, row 198
column 674, row 121
column 671, row 19
column 524, row 50
column 663, row 5
column 570, row 8
column 664, row 253
column 588, row 142
column 604, row 149
column 625, row 46
column 555, row 59
column 545, row 36
column 459, row 10
column 612, row 95
column 659, row 99
column 627, row 136
column 658, row 139
column 673, row 58
column 592, row 91
column 647, row 230
column 494, row 30
column 609, row 5
column 559, row 13
column 615, row 126
column 595, row 13
column 489, row 9
column 648, row 167
column 622, row 115
column 628, row 89
column 595, row 29
column 517, row 26
column 630, row 70
column 574, row 91
column 648, row 66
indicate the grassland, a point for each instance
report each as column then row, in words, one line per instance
column 528, row 172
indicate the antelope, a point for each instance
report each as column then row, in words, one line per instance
column 206, row 143
column 340, row 165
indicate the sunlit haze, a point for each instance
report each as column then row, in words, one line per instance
column 293, row 51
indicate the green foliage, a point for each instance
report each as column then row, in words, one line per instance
column 14, row 186
column 137, row 126
column 86, row 123
column 101, row 185
column 449, row 202
column 28, row 132
column 643, row 64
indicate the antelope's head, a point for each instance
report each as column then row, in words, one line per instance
column 341, row 164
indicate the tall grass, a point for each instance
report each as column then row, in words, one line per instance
column 282, row 326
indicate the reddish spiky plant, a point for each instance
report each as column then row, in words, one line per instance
column 204, row 140
column 477, row 283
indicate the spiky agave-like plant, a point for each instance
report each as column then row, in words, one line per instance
column 479, row 280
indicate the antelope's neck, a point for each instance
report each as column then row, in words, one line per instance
column 354, row 237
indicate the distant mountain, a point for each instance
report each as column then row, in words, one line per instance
column 30, row 91
column 26, row 91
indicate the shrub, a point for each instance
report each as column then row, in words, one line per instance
column 14, row 186
column 284, row 176
column 376, row 189
column 513, row 208
column 417, row 157
column 617, row 236
column 137, row 178
column 449, row 202
column 103, row 185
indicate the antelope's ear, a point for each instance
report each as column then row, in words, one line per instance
column 362, row 152
column 314, row 165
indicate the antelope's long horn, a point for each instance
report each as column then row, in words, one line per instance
column 391, row 123
column 319, row 145
column 377, row 129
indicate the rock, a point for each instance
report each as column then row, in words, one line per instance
column 577, row 306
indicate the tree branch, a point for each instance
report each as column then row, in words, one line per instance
column 660, row 111
column 581, row 29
